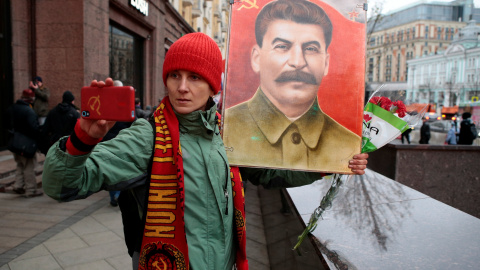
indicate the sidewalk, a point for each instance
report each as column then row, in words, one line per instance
column 40, row 233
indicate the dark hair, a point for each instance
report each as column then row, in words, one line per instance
column 299, row 11
column 466, row 115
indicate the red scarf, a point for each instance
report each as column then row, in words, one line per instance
column 164, row 243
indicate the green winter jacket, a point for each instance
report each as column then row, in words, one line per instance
column 123, row 164
column 40, row 106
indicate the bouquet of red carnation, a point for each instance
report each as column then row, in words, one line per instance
column 383, row 121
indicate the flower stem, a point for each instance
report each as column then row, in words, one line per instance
column 324, row 204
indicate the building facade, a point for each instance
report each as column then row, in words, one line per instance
column 207, row 16
column 70, row 43
column 415, row 31
column 450, row 78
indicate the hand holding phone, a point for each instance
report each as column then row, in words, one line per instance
column 111, row 103
column 33, row 85
column 96, row 128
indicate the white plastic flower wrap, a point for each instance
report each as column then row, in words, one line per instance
column 385, row 117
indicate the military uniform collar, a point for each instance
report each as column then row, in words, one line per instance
column 273, row 123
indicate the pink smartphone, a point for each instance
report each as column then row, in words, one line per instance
column 113, row 103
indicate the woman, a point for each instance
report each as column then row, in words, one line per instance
column 192, row 196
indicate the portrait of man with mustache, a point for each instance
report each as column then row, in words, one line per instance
column 282, row 125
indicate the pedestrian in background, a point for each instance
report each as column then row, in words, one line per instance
column 452, row 134
column 425, row 132
column 42, row 96
column 148, row 109
column 139, row 112
column 406, row 135
column 468, row 131
column 60, row 122
column 24, row 123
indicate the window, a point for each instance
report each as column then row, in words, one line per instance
column 426, row 32
column 398, row 67
column 126, row 58
column 370, row 69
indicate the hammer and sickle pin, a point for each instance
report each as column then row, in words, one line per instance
column 253, row 4
column 94, row 104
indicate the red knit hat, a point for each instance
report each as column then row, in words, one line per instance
column 28, row 95
column 198, row 53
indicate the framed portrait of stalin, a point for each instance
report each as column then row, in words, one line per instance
column 294, row 88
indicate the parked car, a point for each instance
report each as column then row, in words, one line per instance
column 431, row 116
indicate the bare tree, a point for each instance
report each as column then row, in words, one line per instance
column 453, row 91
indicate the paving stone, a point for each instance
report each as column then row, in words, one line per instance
column 88, row 225
column 19, row 232
column 253, row 219
column 121, row 262
column 253, row 208
column 107, row 209
column 257, row 252
column 91, row 254
column 38, row 251
column 38, row 263
column 66, row 244
column 64, row 234
column 256, row 233
column 289, row 229
column 6, row 223
column 100, row 265
column 99, row 238
column 3, row 250
column 10, row 242
column 111, row 220
column 254, row 265
column 41, row 226
column 119, row 232
column 21, row 217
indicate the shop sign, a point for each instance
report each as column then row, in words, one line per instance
column 140, row 5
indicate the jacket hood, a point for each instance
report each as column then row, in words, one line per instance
column 23, row 102
column 64, row 107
